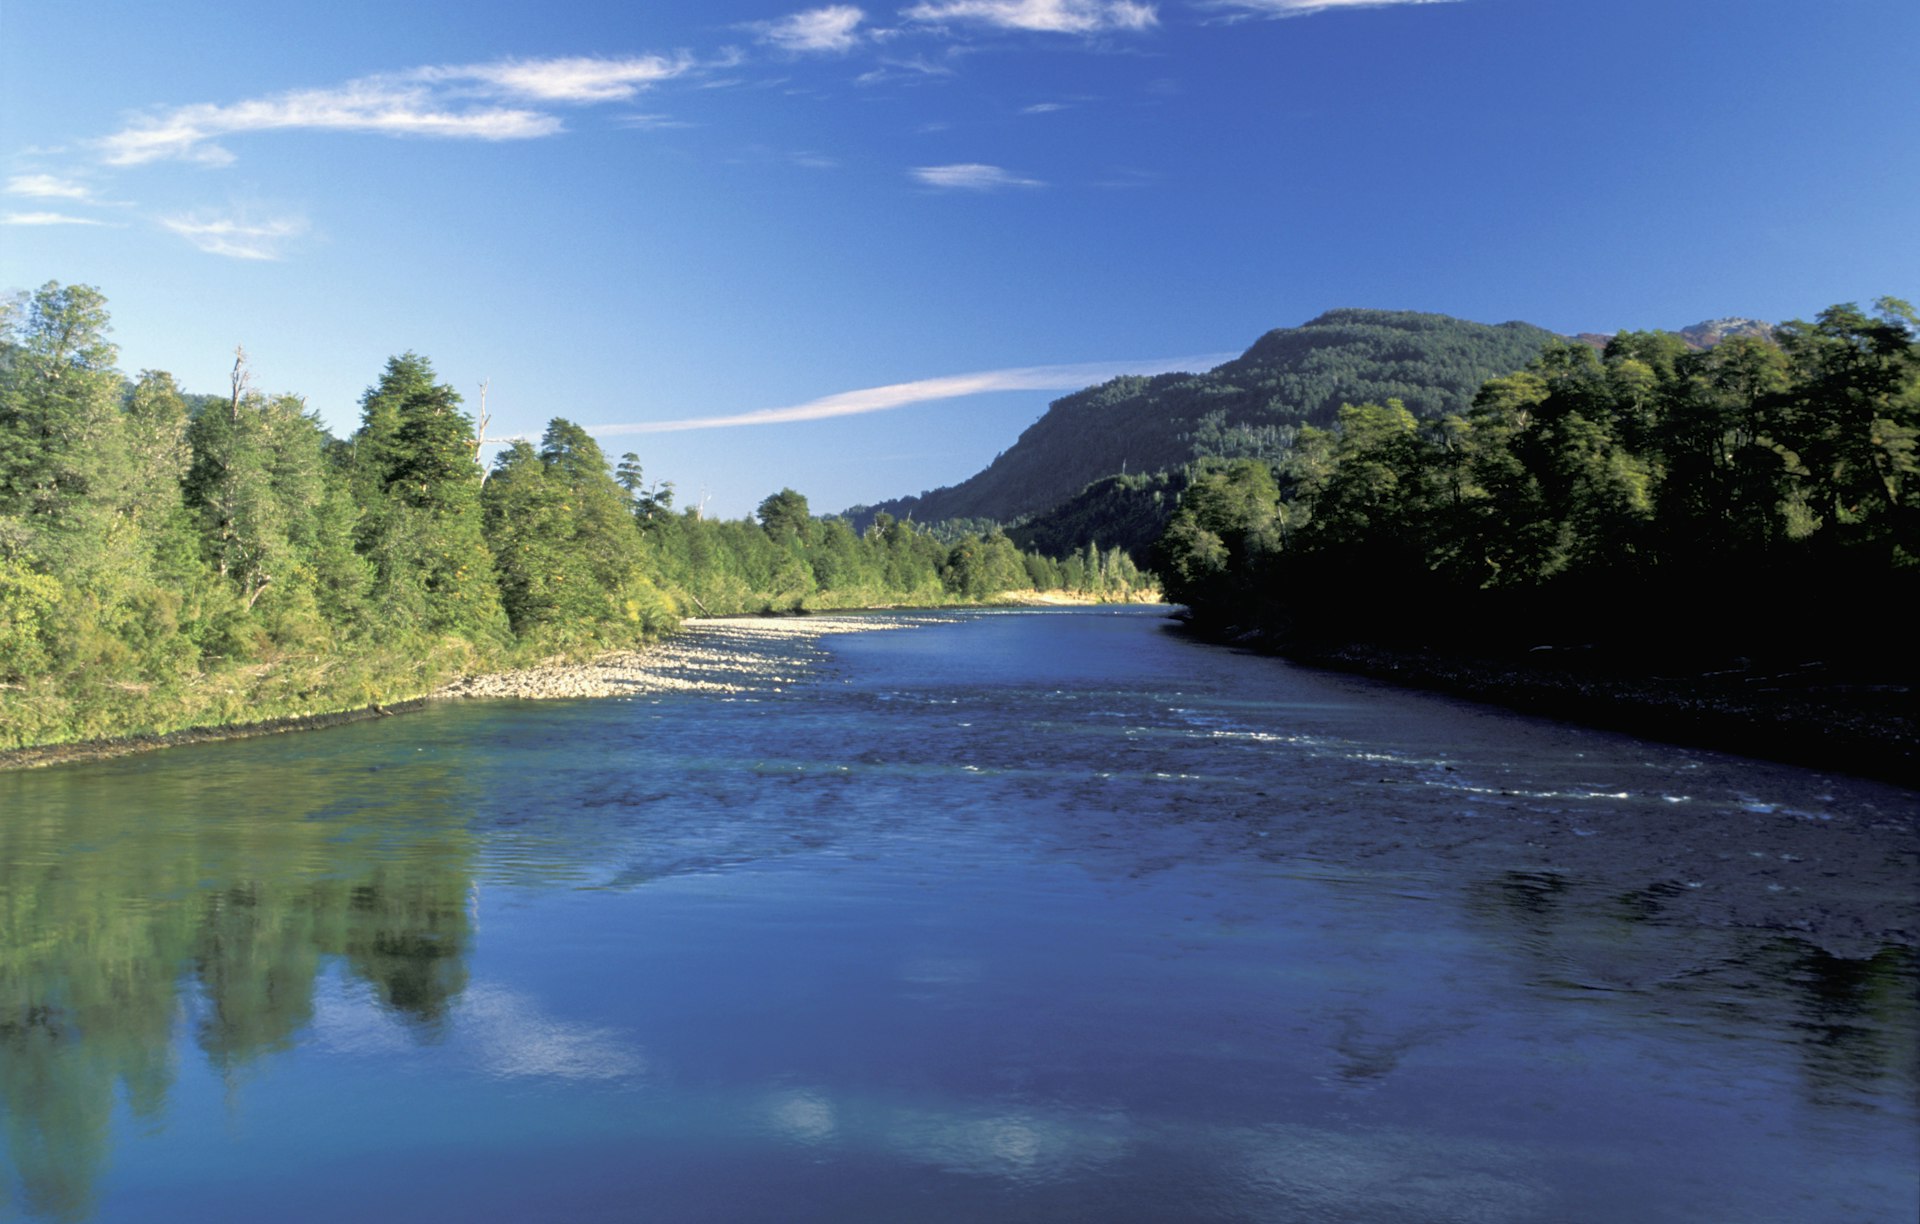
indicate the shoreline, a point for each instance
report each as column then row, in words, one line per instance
column 1797, row 713
column 723, row 655
column 41, row 756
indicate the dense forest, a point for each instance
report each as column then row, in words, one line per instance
column 171, row 560
column 1250, row 407
column 1755, row 496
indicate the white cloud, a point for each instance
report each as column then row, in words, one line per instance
column 188, row 132
column 970, row 176
column 48, row 187
column 1301, row 8
column 579, row 79
column 926, row 390
column 237, row 237
column 833, row 28
column 46, row 218
column 1043, row 108
column 461, row 102
column 1047, row 16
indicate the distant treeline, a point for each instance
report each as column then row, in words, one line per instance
column 170, row 560
column 1758, row 495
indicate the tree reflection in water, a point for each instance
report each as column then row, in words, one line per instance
column 171, row 894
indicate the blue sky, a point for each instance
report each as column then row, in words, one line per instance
column 913, row 225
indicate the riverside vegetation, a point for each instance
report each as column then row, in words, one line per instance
column 1747, row 510
column 171, row 560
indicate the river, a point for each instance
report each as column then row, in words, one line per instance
column 1034, row 915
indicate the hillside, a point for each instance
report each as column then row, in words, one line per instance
column 1250, row 406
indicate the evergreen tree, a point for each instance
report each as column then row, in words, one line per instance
column 62, row 452
column 414, row 477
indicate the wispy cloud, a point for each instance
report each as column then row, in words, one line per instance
column 926, row 390
column 835, row 28
column 970, row 176
column 1043, row 108
column 914, row 68
column 1046, row 16
column 652, row 123
column 48, row 187
column 467, row 102
column 1301, row 8
column 237, row 237
column 188, row 133
column 46, row 218
column 577, row 79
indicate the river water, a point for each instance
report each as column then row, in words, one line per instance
column 1011, row 916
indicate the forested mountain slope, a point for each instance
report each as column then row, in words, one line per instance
column 1249, row 407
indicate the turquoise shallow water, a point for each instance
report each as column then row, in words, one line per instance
column 1038, row 916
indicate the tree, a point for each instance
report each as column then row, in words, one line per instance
column 1221, row 542
column 785, row 516
column 414, row 477
column 1852, row 418
column 569, row 553
column 62, row 453
column 651, row 503
column 157, row 451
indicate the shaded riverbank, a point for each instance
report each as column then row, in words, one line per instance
column 1800, row 711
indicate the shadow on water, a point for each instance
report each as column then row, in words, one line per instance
column 141, row 900
column 1851, row 1021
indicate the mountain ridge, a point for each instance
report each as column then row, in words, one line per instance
column 1250, row 406
column 1286, row 378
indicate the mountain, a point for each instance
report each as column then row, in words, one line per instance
column 1713, row 331
column 1250, row 406
column 1700, row 335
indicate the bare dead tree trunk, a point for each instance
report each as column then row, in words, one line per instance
column 242, row 379
column 480, row 439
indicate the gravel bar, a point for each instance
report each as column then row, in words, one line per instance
column 720, row 655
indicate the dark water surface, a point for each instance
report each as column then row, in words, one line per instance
column 1025, row 916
